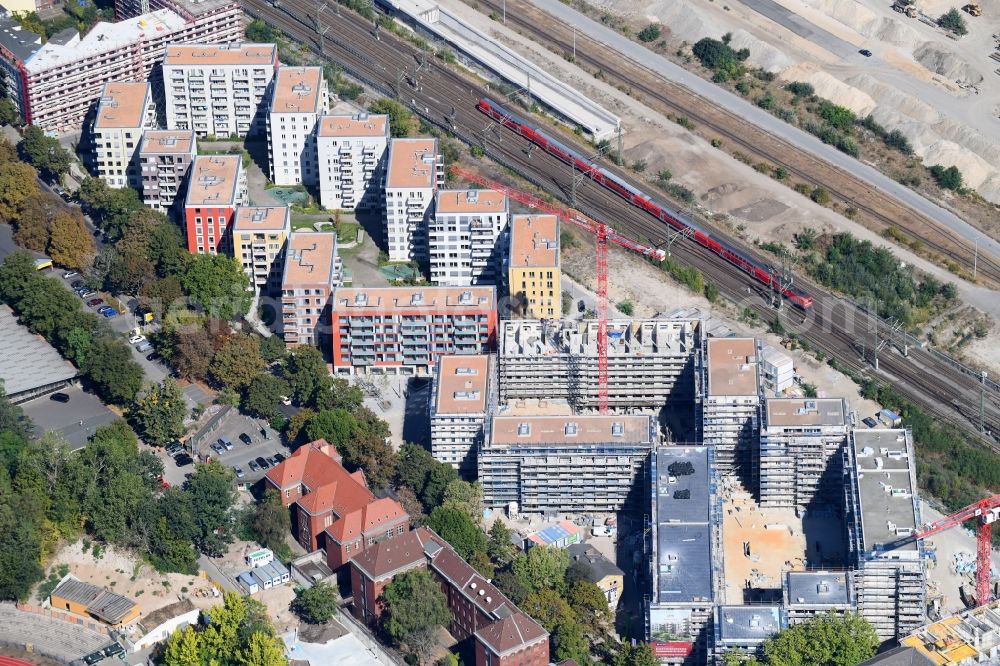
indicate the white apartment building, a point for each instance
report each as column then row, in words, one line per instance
column 465, row 235
column 165, row 157
column 459, row 408
column 298, row 99
column 218, row 89
column 61, row 79
column 259, row 235
column 414, row 173
column 124, row 111
column 730, row 402
column 351, row 153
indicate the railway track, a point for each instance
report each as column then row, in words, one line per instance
column 669, row 97
column 447, row 99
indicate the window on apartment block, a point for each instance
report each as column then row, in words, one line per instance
column 371, row 541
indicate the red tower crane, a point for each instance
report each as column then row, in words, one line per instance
column 603, row 234
column 985, row 512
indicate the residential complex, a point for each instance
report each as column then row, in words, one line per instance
column 730, row 401
column 463, row 397
column 811, row 593
column 501, row 634
column 312, row 270
column 802, row 451
column 298, row 99
column 465, row 236
column 745, row 627
column 333, row 509
column 259, row 235
column 124, row 111
column 218, row 89
column 649, row 361
column 58, row 82
column 217, row 186
column 405, row 330
column 883, row 512
column 351, row 155
column 534, row 279
column 685, row 558
column 581, row 464
column 165, row 158
column 414, row 172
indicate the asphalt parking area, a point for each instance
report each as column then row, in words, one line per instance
column 264, row 443
column 75, row 420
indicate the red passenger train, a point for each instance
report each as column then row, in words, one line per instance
column 637, row 198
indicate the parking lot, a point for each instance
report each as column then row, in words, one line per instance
column 75, row 420
column 230, row 424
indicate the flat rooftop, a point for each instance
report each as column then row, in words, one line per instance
column 362, row 301
column 747, row 624
column 28, row 361
column 886, row 480
column 122, row 105
column 20, row 42
column 167, row 142
column 251, row 219
column 213, row 181
column 105, row 38
column 572, row 430
column 732, row 366
column 534, row 241
column 356, row 125
column 793, row 412
column 683, row 533
column 817, row 588
column 470, row 201
column 310, row 258
column 412, row 163
column 462, row 384
column 220, row 55
column 972, row 635
column 297, row 90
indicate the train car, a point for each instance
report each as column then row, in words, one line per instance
column 637, row 198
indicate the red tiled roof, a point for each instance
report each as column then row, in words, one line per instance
column 328, row 485
column 401, row 552
column 381, row 512
column 511, row 633
column 463, row 577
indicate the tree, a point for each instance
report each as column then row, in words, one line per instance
column 272, row 348
column 455, row 527
column 831, row 639
column 238, row 632
column 336, row 426
column 499, row 546
column 641, row 654
column 32, row 228
column 296, row 429
column 542, row 567
column 213, row 494
column 159, row 295
column 70, row 244
column 260, row 32
column 17, row 186
column 590, row 605
column 401, row 120
column 437, row 482
column 548, row 608
column 371, row 449
column 305, row 371
column 183, row 648
column 317, row 604
column 333, row 392
column 271, row 521
column 44, row 153
column 411, row 505
column 414, row 601
column 262, row 649
column 193, row 354
column 953, row 21
column 838, row 117
column 650, row 33
column 218, row 284
column 568, row 642
column 466, row 497
column 9, row 114
column 264, row 395
column 949, row 178
column 508, row 583
column 238, row 362
column 115, row 375
column 112, row 209
column 158, row 415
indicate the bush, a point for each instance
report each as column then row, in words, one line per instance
column 680, row 192
column 743, row 87
column 650, row 33
column 836, row 116
column 719, row 57
column 626, row 308
column 949, row 178
column 800, row 89
column 820, row 196
column 953, row 21
column 766, row 102
column 895, row 139
column 711, row 292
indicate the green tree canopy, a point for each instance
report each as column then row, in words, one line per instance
column 401, row 120
column 456, row 527
column 115, row 375
column 17, row 187
column 499, row 546
column 238, row 362
column 466, row 497
column 213, row 494
column 336, row 426
column 218, row 284
column 44, row 153
column 238, row 633
column 271, row 522
column 831, row 639
column 263, row 397
column 158, row 415
column 316, row 604
column 542, row 567
column 414, row 601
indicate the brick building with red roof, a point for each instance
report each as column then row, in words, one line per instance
column 502, row 635
column 333, row 509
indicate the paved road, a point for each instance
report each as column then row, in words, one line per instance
column 801, row 27
column 761, row 118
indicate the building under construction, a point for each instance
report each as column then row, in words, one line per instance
column 649, row 362
column 731, row 395
column 800, row 458
column 883, row 512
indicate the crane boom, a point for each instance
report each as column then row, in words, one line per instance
column 985, row 512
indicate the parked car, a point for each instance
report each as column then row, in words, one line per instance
column 136, row 338
column 77, row 284
column 69, row 275
column 869, row 421
column 280, row 458
column 153, row 357
column 866, row 53
column 264, row 433
column 245, row 438
column 144, row 346
column 239, row 471
column 86, row 292
column 581, row 306
column 226, row 442
column 94, row 302
column 59, row 397
column 253, row 466
column 173, row 448
column 114, row 649
column 218, row 448
column 263, row 464
column 272, row 461
column 108, row 312
column 183, row 459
